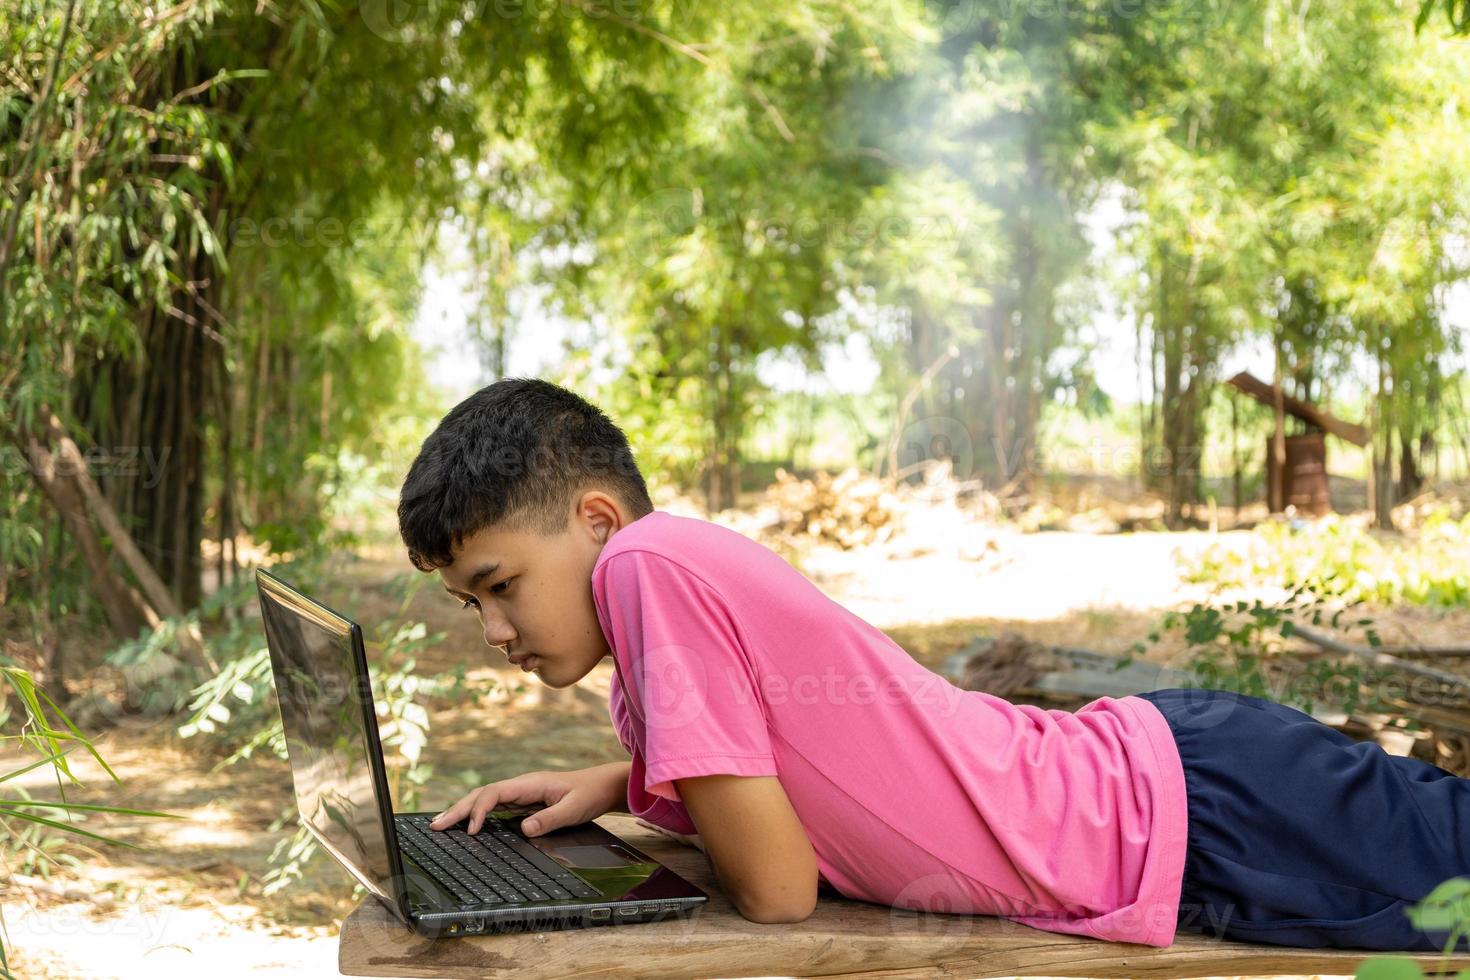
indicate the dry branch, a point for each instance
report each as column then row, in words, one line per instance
column 1377, row 657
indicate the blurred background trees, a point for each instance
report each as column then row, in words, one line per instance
column 217, row 218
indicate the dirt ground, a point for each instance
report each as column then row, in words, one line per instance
column 188, row 902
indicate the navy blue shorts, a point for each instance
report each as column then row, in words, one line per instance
column 1299, row 836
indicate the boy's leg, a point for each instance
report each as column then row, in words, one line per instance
column 1300, row 836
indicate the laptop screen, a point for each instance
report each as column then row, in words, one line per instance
column 323, row 689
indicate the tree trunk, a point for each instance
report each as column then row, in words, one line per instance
column 325, row 415
column 1277, row 500
column 727, row 426
column 1174, row 411
column 165, row 408
column 997, row 333
column 1383, row 450
column 154, row 590
column 125, row 612
column 1235, row 463
column 1410, row 477
column 1183, row 345
column 226, row 393
column 260, row 400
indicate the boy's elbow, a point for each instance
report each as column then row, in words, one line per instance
column 772, row 913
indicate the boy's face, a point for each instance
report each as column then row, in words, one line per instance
column 533, row 594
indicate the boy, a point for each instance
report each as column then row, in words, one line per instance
column 805, row 748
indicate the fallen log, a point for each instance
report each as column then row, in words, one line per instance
column 1378, row 658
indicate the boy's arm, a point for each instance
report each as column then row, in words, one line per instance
column 617, row 786
column 756, row 844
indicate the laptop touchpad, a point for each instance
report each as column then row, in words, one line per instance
column 595, row 856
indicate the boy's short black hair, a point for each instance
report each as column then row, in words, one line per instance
column 516, row 453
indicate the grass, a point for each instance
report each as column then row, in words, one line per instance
column 1337, row 558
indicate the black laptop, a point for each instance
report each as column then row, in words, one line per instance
column 440, row 882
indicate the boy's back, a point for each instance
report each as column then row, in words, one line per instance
column 914, row 793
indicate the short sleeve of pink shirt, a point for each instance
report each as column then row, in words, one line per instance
column 914, row 793
column 691, row 685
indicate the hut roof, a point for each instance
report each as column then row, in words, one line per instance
column 1295, row 407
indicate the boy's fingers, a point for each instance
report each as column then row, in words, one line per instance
column 542, row 821
column 477, row 803
column 445, row 818
column 454, row 814
column 487, row 801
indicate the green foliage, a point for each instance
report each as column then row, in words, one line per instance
column 158, row 686
column 1279, row 170
column 32, row 841
column 1456, row 12
column 235, row 711
column 1396, row 968
column 1239, row 647
column 403, row 726
column 706, row 187
column 1445, row 909
column 702, row 263
column 1335, row 557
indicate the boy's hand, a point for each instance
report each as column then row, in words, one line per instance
column 571, row 798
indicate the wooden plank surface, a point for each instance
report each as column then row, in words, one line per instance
column 842, row 938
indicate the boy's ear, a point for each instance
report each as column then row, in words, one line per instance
column 603, row 511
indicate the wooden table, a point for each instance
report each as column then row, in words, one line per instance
column 842, row 938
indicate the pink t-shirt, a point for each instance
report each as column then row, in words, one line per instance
column 914, row 793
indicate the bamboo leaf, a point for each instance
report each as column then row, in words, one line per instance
column 68, row 828
column 100, row 808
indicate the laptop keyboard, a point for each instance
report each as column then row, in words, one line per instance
column 494, row 867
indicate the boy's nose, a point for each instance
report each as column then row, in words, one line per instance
column 499, row 634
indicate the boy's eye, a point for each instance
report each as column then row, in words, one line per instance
column 495, row 589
